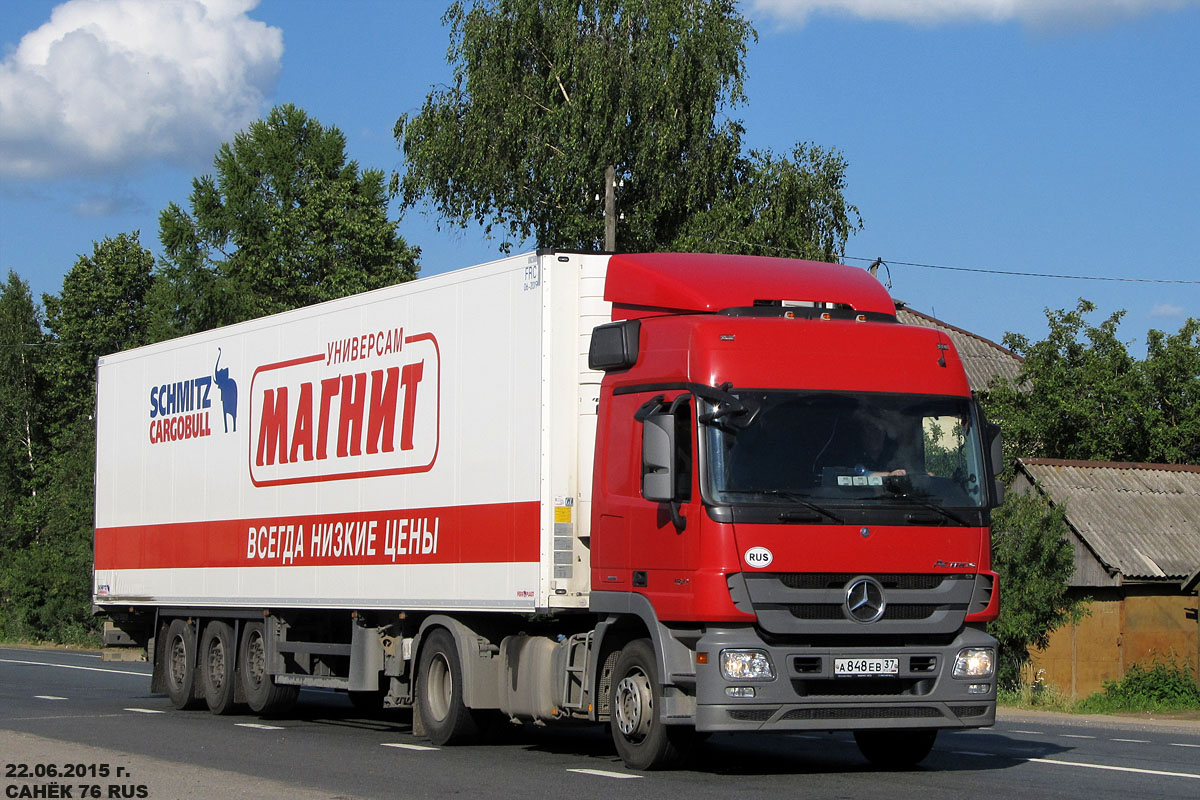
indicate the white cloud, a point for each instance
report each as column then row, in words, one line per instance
column 932, row 12
column 109, row 83
column 1166, row 310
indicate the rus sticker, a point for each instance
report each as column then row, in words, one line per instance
column 759, row 557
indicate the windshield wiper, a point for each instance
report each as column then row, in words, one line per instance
column 794, row 497
column 916, row 500
column 943, row 512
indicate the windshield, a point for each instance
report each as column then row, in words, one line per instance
column 844, row 448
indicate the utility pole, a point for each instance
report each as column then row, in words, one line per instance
column 610, row 209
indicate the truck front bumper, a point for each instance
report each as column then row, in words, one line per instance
column 805, row 693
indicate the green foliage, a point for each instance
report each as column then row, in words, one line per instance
column 548, row 94
column 46, row 552
column 285, row 222
column 1033, row 557
column 777, row 206
column 101, row 309
column 1165, row 685
column 47, row 584
column 1171, row 388
column 1081, row 395
column 22, row 440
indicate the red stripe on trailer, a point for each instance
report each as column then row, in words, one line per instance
column 494, row 533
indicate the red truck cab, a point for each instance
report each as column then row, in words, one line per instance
column 793, row 491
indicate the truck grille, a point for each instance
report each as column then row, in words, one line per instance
column 837, row 580
column 896, row 611
column 791, row 603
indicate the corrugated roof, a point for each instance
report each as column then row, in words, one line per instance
column 982, row 358
column 1142, row 520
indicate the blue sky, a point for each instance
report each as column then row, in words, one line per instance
column 1036, row 136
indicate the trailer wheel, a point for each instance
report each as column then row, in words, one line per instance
column 643, row 741
column 895, row 749
column 216, row 663
column 263, row 695
column 180, row 667
column 440, row 692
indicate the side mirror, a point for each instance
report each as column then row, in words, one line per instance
column 996, row 457
column 658, row 457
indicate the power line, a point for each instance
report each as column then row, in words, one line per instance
column 1029, row 274
column 797, row 254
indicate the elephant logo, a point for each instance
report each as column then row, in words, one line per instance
column 229, row 393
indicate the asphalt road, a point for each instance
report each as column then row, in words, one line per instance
column 74, row 726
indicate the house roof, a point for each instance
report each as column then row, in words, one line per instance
column 1140, row 520
column 982, row 358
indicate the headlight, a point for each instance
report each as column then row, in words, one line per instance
column 746, row 665
column 974, row 662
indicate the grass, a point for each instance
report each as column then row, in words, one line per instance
column 1164, row 685
column 1036, row 694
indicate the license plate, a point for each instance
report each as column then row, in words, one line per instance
column 859, row 667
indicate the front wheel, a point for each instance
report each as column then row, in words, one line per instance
column 895, row 749
column 643, row 741
column 440, row 701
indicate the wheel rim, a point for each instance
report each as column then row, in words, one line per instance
column 216, row 664
column 634, row 705
column 439, row 687
column 178, row 662
column 256, row 661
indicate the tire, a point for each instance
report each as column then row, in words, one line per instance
column 263, row 695
column 440, row 702
column 643, row 741
column 179, row 665
column 895, row 749
column 216, row 663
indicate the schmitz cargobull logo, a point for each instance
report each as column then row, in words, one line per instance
column 180, row 410
column 368, row 405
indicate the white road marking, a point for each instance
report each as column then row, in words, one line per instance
column 73, row 666
column 970, row 753
column 604, row 773
column 1133, row 741
column 258, row 726
column 1075, row 736
column 48, row 697
column 1115, row 769
column 1181, row 744
column 409, row 746
column 146, row 710
column 1035, row 733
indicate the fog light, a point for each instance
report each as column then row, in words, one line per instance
column 978, row 688
column 974, row 662
column 746, row 665
column 739, row 691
